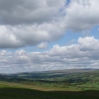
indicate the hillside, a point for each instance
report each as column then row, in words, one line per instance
column 50, row 85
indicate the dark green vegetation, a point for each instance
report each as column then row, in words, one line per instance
column 20, row 93
column 74, row 84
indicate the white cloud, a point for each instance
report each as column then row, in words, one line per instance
column 28, row 12
column 28, row 35
column 28, row 23
column 88, row 43
column 81, row 15
column 59, row 57
column 43, row 45
column 32, row 22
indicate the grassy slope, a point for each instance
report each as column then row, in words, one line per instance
column 17, row 91
column 85, row 87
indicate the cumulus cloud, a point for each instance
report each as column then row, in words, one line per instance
column 88, row 43
column 42, row 45
column 28, row 12
column 34, row 22
column 28, row 35
column 81, row 15
column 58, row 57
column 28, row 23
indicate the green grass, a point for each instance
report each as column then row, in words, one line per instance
column 17, row 91
column 23, row 93
column 71, row 86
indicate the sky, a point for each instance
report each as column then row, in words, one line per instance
column 41, row 35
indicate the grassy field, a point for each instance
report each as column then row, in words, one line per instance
column 82, row 85
column 19, row 91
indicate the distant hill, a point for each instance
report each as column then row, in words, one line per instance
column 42, row 74
column 72, row 70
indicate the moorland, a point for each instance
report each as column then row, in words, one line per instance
column 57, row 84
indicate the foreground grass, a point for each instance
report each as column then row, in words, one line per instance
column 18, row 91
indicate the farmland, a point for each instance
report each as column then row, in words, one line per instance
column 50, row 85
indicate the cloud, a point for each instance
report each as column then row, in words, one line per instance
column 81, row 15
column 28, row 12
column 32, row 22
column 29, row 35
column 42, row 45
column 28, row 23
column 88, row 43
column 59, row 57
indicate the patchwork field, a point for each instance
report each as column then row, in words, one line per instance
column 16, row 91
column 81, row 85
